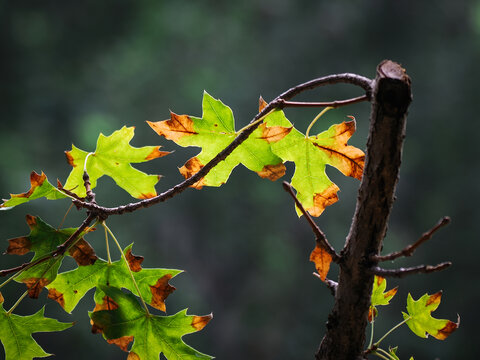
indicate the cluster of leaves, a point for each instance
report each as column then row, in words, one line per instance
column 119, row 316
column 418, row 317
column 124, row 291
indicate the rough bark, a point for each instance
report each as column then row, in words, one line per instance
column 345, row 336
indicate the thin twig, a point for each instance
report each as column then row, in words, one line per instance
column 319, row 235
column 332, row 285
column 410, row 249
column 333, row 104
column 277, row 103
column 401, row 272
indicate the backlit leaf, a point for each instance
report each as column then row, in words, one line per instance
column 379, row 296
column 43, row 239
column 420, row 320
column 39, row 187
column 16, row 333
column 214, row 132
column 71, row 286
column 122, row 320
column 311, row 155
column 322, row 260
column 112, row 157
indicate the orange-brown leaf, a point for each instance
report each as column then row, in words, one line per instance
column 272, row 172
column 348, row 159
column 321, row 201
column 190, row 168
column 18, row 246
column 274, row 133
column 199, row 322
column 322, row 260
column 35, row 286
column 83, row 253
column 261, row 104
column 156, row 153
column 57, row 296
column 134, row 261
column 447, row 330
column 160, row 292
column 121, row 342
column 177, row 127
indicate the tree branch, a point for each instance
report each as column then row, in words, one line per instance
column 402, row 272
column 333, row 104
column 391, row 96
column 277, row 103
column 410, row 249
column 319, row 235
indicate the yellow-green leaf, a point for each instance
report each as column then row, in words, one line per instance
column 113, row 157
column 420, row 320
column 213, row 132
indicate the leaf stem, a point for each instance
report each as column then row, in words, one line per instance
column 260, row 119
column 128, row 267
column 388, row 356
column 316, row 118
column 65, row 216
column 371, row 331
column 108, row 247
column 18, row 302
column 391, row 330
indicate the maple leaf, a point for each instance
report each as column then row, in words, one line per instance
column 16, row 333
column 311, row 155
column 122, row 320
column 214, row 132
column 43, row 239
column 379, row 296
column 322, row 260
column 71, row 286
column 39, row 187
column 420, row 320
column 112, row 157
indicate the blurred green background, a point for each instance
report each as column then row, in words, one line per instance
column 70, row 70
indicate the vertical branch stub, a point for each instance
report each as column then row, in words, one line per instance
column 391, row 96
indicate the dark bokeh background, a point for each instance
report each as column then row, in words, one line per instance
column 70, row 70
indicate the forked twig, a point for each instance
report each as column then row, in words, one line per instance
column 401, row 272
column 410, row 249
column 319, row 235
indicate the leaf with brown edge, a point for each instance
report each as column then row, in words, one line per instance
column 39, row 187
column 420, row 320
column 134, row 261
column 160, row 292
column 152, row 335
column 43, row 240
column 71, row 286
column 213, row 132
column 322, row 260
column 113, row 157
column 311, row 155
column 379, row 296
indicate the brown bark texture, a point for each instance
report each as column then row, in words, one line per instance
column 391, row 96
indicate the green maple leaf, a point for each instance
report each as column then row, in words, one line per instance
column 122, row 320
column 42, row 240
column 112, row 157
column 214, row 132
column 16, row 333
column 39, row 187
column 311, row 155
column 379, row 296
column 420, row 320
column 71, row 286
